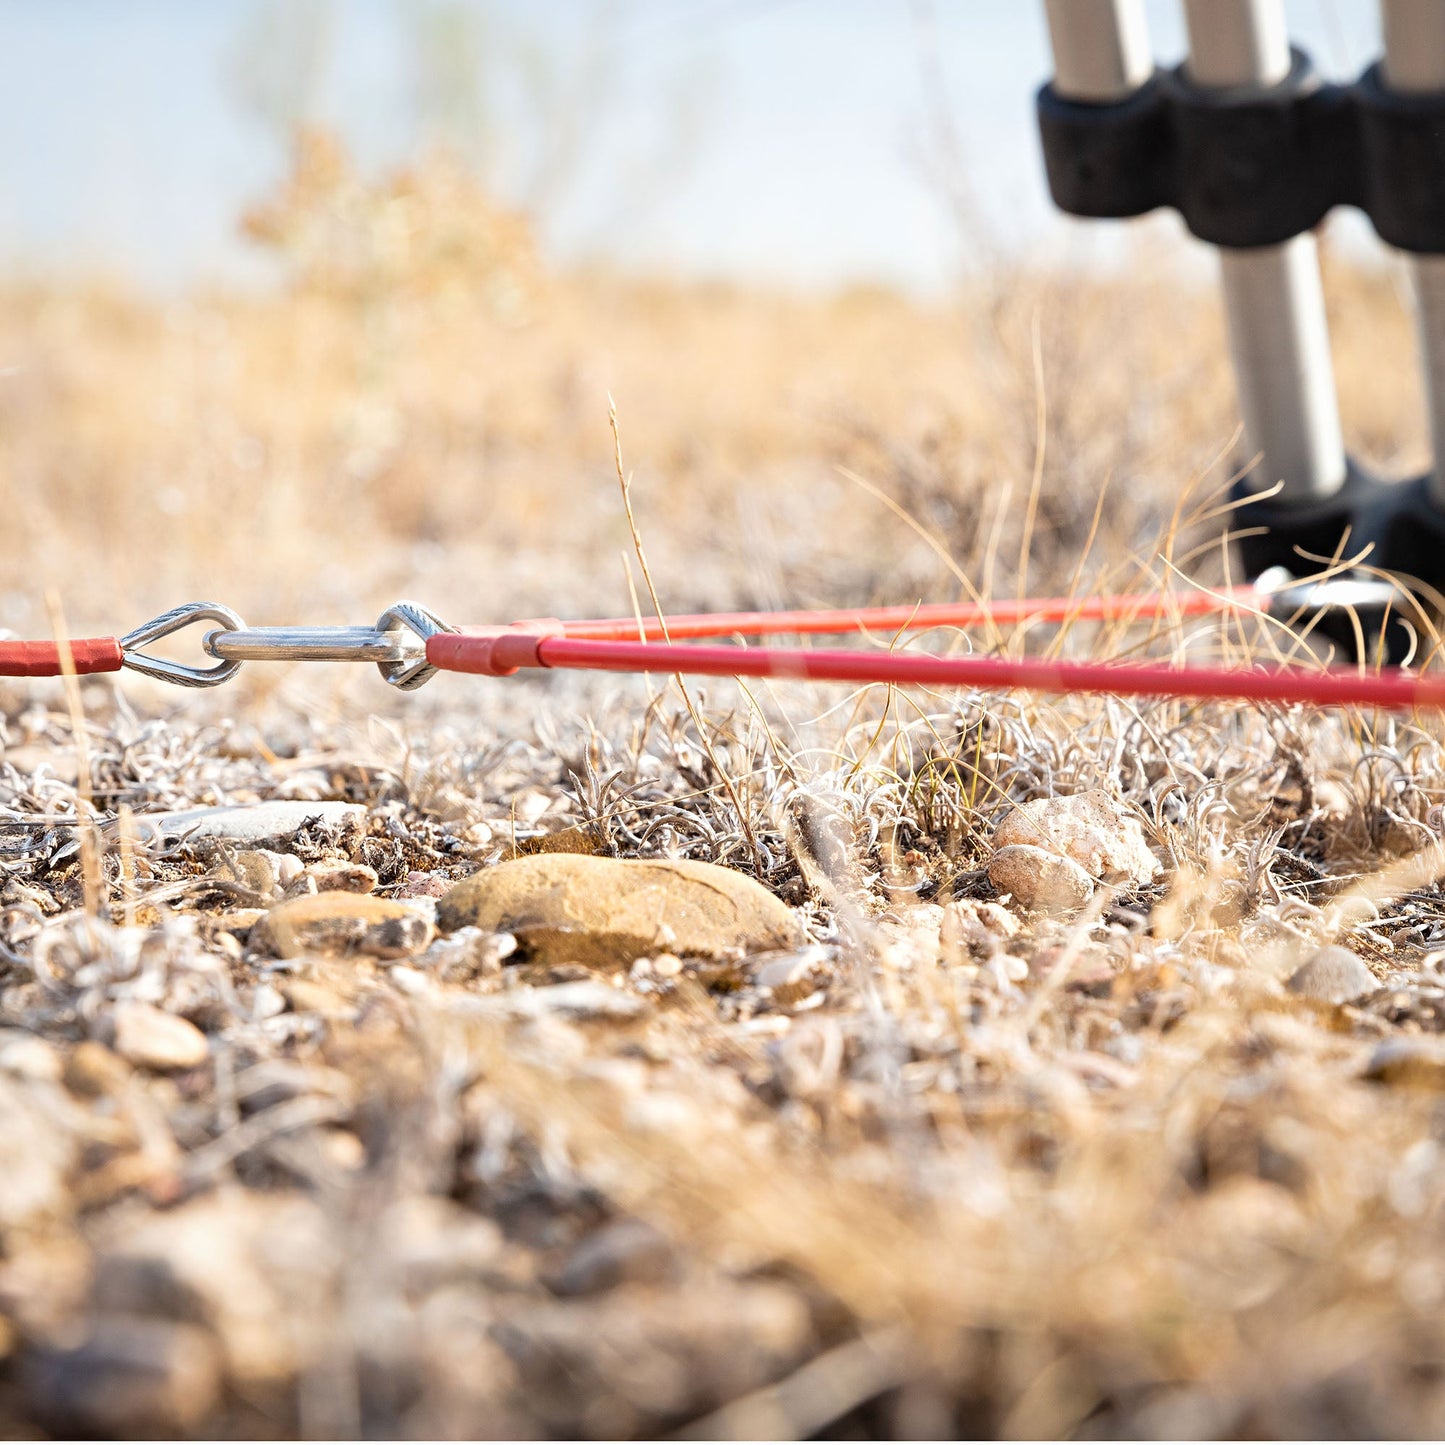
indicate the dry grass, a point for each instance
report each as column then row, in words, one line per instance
column 1102, row 1177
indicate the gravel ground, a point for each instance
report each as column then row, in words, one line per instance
column 946, row 1165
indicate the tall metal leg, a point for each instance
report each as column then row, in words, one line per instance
column 1415, row 61
column 1101, row 48
column 1274, row 303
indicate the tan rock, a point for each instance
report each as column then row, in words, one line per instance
column 1098, row 833
column 340, row 922
column 606, row 912
column 153, row 1039
column 975, row 927
column 1040, row 879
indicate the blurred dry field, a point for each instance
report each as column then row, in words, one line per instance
column 1097, row 1174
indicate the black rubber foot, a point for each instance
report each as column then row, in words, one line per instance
column 1400, row 523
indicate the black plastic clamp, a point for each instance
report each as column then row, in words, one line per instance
column 1254, row 166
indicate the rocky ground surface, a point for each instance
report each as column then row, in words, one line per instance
column 1079, row 1071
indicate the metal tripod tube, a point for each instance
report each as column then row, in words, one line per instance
column 1274, row 303
column 1101, row 48
column 1415, row 61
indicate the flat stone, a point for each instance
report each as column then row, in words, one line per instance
column 1039, row 879
column 1333, row 975
column 607, row 912
column 340, row 922
column 256, row 824
column 584, row 999
column 153, row 1039
column 1096, row 831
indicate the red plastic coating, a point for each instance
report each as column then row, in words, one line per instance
column 919, row 617
column 492, row 651
column 42, row 659
column 1334, row 687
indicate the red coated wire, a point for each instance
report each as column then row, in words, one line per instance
column 42, row 659
column 918, row 617
column 500, row 651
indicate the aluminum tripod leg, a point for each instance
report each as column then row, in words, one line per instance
column 1274, row 304
column 1101, row 48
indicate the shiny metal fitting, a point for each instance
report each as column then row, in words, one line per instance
column 422, row 623
column 397, row 644
column 1361, row 592
column 176, row 620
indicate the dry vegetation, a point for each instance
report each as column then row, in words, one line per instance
column 1100, row 1177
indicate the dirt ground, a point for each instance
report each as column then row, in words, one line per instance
column 947, row 1166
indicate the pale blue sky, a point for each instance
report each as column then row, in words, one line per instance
column 781, row 140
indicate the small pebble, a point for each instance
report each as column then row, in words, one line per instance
column 1096, row 831
column 332, row 875
column 31, row 1058
column 92, row 1070
column 583, row 999
column 410, row 981
column 267, row 1001
column 337, row 921
column 1039, row 879
column 152, row 1039
column 424, row 885
column 1333, row 975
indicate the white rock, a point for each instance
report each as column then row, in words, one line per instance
column 154, row 1039
column 586, row 998
column 1094, row 830
column 254, row 823
column 1040, row 879
column 1333, row 975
